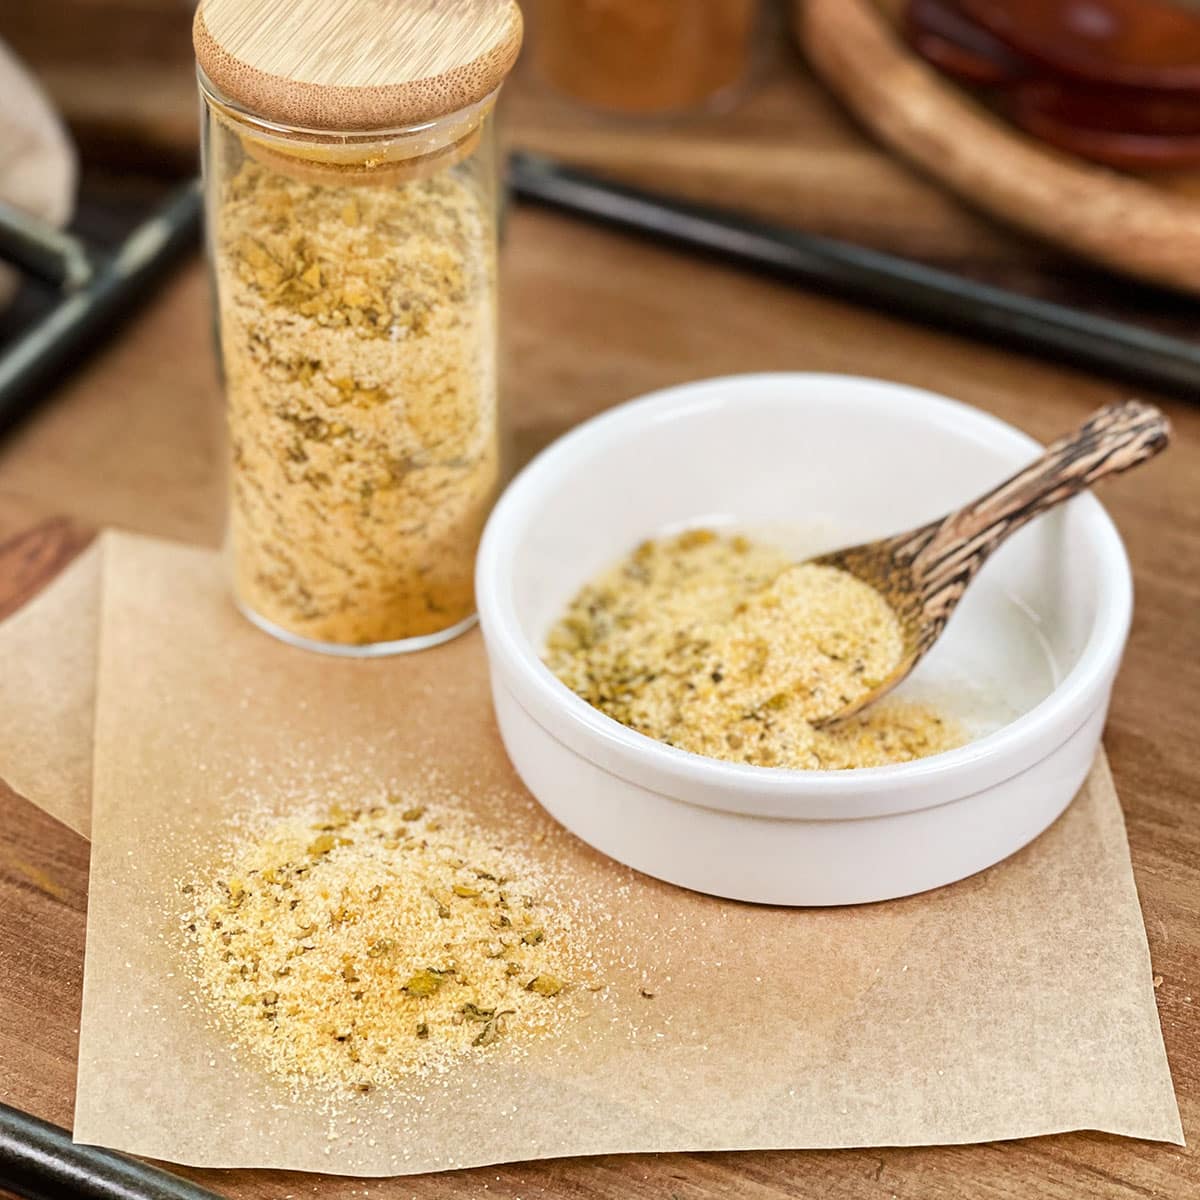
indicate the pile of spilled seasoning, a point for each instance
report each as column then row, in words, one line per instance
column 352, row 947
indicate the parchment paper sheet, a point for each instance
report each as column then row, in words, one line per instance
column 48, row 693
column 1015, row 1003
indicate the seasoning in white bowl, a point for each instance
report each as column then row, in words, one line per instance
column 722, row 646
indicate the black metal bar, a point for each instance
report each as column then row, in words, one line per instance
column 118, row 282
column 40, row 1162
column 42, row 250
column 898, row 285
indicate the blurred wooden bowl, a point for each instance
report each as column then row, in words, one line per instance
column 1130, row 224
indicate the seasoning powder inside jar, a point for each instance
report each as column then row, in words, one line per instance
column 350, row 184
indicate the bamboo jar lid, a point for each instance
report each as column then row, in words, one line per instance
column 356, row 65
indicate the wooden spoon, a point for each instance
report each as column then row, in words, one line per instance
column 924, row 573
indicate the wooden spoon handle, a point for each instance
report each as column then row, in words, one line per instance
column 946, row 554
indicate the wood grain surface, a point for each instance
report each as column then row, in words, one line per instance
column 591, row 319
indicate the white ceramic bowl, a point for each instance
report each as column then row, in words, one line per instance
column 1028, row 660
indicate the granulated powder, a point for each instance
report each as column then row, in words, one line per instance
column 723, row 647
column 358, row 336
column 355, row 946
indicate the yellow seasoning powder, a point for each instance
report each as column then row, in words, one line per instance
column 358, row 338
column 354, row 947
column 724, row 647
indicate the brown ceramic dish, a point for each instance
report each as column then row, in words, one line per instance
column 1128, row 43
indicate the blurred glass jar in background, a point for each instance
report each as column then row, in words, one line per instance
column 647, row 57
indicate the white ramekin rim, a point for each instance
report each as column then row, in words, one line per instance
column 781, row 792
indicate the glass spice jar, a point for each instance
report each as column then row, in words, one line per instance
column 646, row 57
column 351, row 199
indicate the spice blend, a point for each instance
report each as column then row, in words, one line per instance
column 722, row 646
column 352, row 947
column 358, row 334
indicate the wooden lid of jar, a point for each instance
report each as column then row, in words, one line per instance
column 356, row 65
